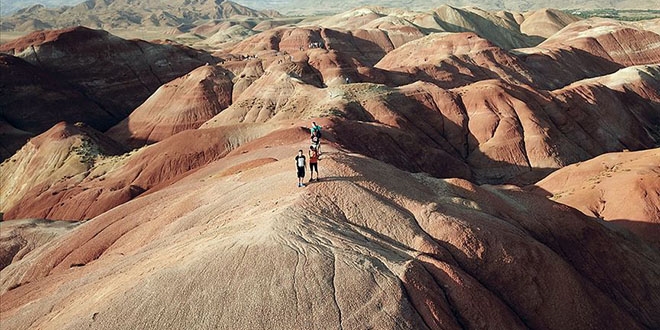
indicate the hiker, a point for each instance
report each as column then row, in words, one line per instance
column 315, row 143
column 313, row 164
column 315, row 132
column 300, row 164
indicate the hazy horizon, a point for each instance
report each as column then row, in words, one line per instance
column 286, row 7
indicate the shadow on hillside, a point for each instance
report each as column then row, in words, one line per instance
column 336, row 178
column 514, row 39
column 544, row 71
column 634, row 230
column 424, row 140
column 647, row 231
column 419, row 137
column 599, row 251
column 363, row 50
column 562, row 67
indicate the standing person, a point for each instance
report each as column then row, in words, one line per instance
column 313, row 164
column 300, row 165
column 316, row 143
column 315, row 132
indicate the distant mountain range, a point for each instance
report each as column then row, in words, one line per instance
column 114, row 14
column 172, row 172
column 8, row 7
column 307, row 7
column 304, row 7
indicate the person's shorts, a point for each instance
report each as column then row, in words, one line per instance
column 313, row 167
column 301, row 172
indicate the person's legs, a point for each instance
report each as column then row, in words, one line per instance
column 301, row 176
column 313, row 167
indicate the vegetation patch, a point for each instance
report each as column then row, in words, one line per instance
column 618, row 14
column 88, row 151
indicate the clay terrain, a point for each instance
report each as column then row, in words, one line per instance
column 479, row 170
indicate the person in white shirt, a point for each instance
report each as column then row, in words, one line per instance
column 300, row 165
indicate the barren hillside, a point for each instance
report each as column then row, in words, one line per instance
column 479, row 169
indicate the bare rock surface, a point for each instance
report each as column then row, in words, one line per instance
column 619, row 42
column 184, row 103
column 32, row 101
column 64, row 152
column 18, row 238
column 75, row 190
column 621, row 188
column 113, row 74
column 546, row 22
column 369, row 245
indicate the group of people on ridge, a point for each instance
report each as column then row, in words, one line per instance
column 314, row 152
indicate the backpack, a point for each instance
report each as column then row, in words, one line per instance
column 317, row 131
